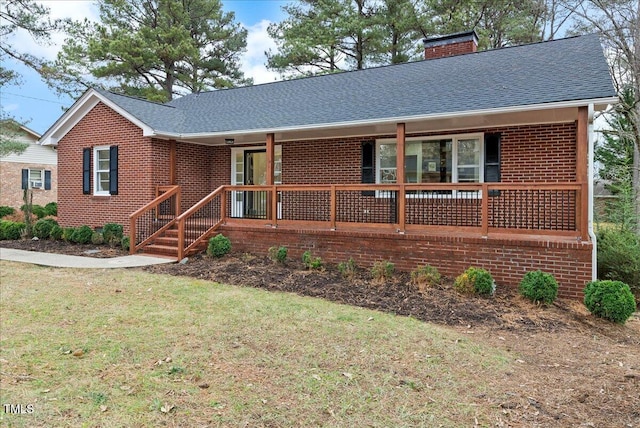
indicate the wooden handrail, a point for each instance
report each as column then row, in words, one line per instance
column 181, row 220
column 153, row 205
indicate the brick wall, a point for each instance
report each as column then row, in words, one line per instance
column 450, row 49
column 507, row 259
column 11, row 193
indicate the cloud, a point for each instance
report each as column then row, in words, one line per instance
column 254, row 60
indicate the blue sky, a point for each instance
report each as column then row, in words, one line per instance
column 39, row 107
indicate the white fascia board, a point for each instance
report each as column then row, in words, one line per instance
column 392, row 120
column 79, row 110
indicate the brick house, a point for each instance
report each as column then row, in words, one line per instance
column 35, row 169
column 465, row 158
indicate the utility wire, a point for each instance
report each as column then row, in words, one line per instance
column 34, row 98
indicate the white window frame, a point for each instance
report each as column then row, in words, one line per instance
column 454, row 161
column 32, row 180
column 97, row 171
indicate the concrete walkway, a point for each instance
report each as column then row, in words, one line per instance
column 63, row 260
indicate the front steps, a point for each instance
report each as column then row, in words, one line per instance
column 166, row 245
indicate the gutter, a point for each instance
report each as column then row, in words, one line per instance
column 591, row 174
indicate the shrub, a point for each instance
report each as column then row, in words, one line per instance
column 42, row 228
column 278, row 254
column 112, row 233
column 56, row 233
column 475, row 280
column 611, row 300
column 82, row 235
column 67, row 233
column 539, row 287
column 218, row 246
column 11, row 230
column 51, row 209
column 37, row 210
column 124, row 243
column 5, row 211
column 382, row 270
column 310, row 262
column 425, row 277
column 348, row 269
column 97, row 238
column 619, row 257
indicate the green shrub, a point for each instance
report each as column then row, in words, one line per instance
column 278, row 254
column 82, row 235
column 218, row 246
column 37, row 210
column 11, row 230
column 56, row 233
column 42, row 228
column 619, row 257
column 348, row 269
column 611, row 300
column 112, row 233
column 382, row 270
column 124, row 243
column 5, row 211
column 67, row 233
column 51, row 209
column 539, row 287
column 425, row 277
column 310, row 262
column 97, row 238
column 475, row 280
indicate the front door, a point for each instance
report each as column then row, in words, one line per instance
column 255, row 174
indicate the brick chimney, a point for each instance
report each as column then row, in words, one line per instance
column 450, row 45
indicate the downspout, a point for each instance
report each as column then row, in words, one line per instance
column 591, row 175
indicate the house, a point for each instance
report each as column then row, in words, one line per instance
column 465, row 158
column 35, row 169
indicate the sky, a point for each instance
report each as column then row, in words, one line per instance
column 34, row 104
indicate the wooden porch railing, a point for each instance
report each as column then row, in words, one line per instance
column 154, row 218
column 195, row 224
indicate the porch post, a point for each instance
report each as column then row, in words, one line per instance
column 172, row 162
column 272, row 204
column 400, row 175
column 582, row 175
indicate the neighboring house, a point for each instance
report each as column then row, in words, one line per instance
column 480, row 159
column 36, row 168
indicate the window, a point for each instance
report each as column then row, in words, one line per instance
column 451, row 159
column 105, row 170
column 36, row 179
column 101, row 177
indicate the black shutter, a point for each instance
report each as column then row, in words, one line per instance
column 368, row 166
column 86, row 171
column 492, row 161
column 25, row 179
column 113, row 170
column 47, row 180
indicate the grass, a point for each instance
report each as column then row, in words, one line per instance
column 159, row 350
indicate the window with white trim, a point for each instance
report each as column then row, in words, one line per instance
column 36, row 179
column 448, row 159
column 101, row 170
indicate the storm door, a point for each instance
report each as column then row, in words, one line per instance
column 255, row 174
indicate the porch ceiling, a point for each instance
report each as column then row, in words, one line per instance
column 413, row 125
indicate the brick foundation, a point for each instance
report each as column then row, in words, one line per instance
column 508, row 259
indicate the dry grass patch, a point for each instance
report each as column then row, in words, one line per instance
column 128, row 348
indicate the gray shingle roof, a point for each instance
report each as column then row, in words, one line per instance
column 547, row 72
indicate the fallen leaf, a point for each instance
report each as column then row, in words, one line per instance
column 167, row 408
column 78, row 353
column 347, row 375
column 103, row 408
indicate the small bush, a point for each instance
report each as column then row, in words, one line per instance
column 310, row 262
column 382, row 270
column 67, row 234
column 112, row 233
column 37, row 210
column 218, row 246
column 425, row 277
column 82, row 235
column 619, row 257
column 42, row 228
column 539, row 287
column 124, row 243
column 97, row 238
column 611, row 300
column 56, row 233
column 278, row 254
column 475, row 280
column 5, row 211
column 51, row 209
column 11, row 230
column 348, row 269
